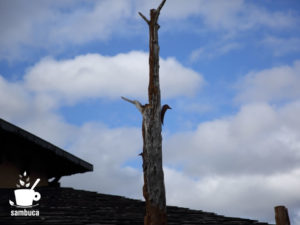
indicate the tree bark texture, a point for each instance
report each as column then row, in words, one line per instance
column 154, row 187
column 282, row 215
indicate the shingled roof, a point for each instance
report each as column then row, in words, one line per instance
column 68, row 206
column 19, row 145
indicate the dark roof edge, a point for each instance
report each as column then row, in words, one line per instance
column 45, row 144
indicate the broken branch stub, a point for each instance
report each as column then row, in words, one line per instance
column 137, row 104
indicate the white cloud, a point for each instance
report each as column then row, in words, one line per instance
column 282, row 46
column 259, row 139
column 51, row 25
column 275, row 84
column 95, row 75
column 96, row 21
column 218, row 14
column 35, row 113
column 261, row 16
column 253, row 196
column 13, row 99
column 34, row 102
column 211, row 51
column 108, row 150
column 55, row 25
column 241, row 165
column 250, row 157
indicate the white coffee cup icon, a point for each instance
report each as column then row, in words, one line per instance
column 25, row 197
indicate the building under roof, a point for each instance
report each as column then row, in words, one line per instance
column 22, row 151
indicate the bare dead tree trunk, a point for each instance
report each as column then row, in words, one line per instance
column 154, row 187
column 281, row 215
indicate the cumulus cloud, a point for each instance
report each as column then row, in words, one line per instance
column 249, row 157
column 274, row 84
column 251, row 196
column 241, row 165
column 36, row 113
column 94, row 75
column 252, row 156
column 33, row 104
column 13, row 99
column 108, row 150
column 259, row 139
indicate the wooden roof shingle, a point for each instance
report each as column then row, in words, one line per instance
column 65, row 206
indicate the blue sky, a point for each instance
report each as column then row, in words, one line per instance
column 229, row 70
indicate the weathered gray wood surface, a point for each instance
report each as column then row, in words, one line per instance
column 154, row 187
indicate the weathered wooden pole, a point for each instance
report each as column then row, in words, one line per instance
column 282, row 215
column 154, row 187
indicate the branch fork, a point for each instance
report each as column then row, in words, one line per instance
column 157, row 11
